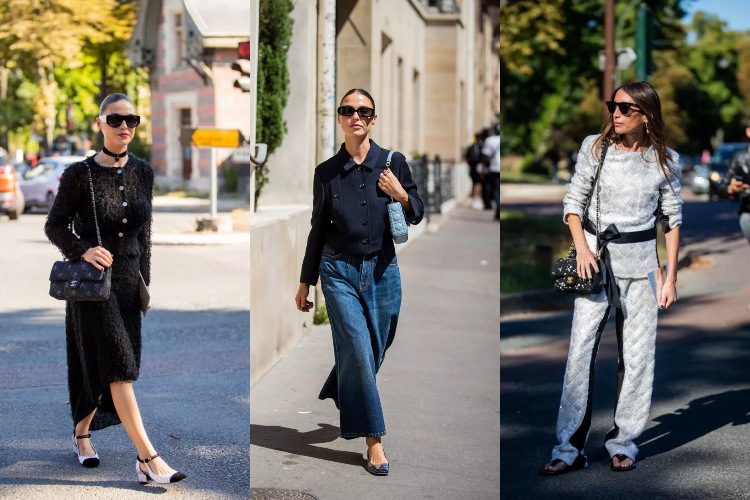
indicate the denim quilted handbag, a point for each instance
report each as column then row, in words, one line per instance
column 399, row 228
column 78, row 280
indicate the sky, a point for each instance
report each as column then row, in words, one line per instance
column 736, row 13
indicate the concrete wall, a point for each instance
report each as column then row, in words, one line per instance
column 442, row 91
column 277, row 246
column 291, row 166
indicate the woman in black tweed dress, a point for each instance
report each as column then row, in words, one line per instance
column 104, row 338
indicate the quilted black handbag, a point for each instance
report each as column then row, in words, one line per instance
column 564, row 270
column 79, row 280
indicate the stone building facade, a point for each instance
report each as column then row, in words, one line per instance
column 188, row 46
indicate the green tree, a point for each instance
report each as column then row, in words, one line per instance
column 274, row 38
column 551, row 84
column 44, row 40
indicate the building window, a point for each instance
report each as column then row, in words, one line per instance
column 179, row 40
column 186, row 156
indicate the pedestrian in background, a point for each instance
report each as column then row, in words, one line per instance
column 491, row 155
column 736, row 182
column 351, row 249
column 104, row 338
column 639, row 172
column 474, row 160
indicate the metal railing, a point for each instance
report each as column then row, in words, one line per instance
column 434, row 181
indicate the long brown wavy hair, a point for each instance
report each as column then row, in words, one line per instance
column 647, row 100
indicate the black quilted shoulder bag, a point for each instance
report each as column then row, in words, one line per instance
column 79, row 280
column 564, row 270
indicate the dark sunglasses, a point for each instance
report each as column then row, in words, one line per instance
column 363, row 112
column 626, row 108
column 115, row 120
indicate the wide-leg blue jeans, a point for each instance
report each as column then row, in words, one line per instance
column 363, row 299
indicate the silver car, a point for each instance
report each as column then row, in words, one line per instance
column 40, row 182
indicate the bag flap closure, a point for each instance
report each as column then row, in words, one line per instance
column 75, row 270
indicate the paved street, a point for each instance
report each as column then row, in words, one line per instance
column 194, row 386
column 694, row 445
column 439, row 386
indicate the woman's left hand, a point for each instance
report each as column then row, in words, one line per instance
column 668, row 294
column 389, row 184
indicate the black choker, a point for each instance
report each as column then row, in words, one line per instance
column 113, row 155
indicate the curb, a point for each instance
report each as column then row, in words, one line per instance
column 549, row 299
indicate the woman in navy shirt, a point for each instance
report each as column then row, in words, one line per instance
column 350, row 247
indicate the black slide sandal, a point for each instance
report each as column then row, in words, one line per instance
column 578, row 464
column 621, row 457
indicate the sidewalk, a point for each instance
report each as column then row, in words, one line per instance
column 439, row 386
column 174, row 221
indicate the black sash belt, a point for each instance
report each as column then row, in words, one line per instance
column 612, row 235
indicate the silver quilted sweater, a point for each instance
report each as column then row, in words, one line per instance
column 631, row 186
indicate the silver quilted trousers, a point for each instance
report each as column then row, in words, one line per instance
column 636, row 340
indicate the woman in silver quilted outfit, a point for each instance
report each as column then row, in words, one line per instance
column 638, row 175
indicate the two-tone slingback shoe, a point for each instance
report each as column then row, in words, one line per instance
column 149, row 475
column 86, row 461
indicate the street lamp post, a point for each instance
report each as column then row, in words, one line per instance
column 609, row 51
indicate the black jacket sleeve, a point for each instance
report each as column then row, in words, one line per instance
column 316, row 240
column 144, row 235
column 411, row 189
column 735, row 168
column 59, row 224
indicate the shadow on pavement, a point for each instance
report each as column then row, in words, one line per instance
column 301, row 443
column 701, row 417
column 109, row 485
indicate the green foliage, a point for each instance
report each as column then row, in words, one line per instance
column 60, row 52
column 231, row 177
column 551, row 85
column 274, row 38
column 320, row 317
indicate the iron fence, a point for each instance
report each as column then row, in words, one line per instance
column 434, row 181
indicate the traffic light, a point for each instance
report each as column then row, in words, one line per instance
column 242, row 64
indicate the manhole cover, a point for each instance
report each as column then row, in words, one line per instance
column 279, row 494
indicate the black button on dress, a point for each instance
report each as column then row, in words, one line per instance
column 104, row 338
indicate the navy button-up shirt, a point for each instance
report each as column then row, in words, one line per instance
column 350, row 212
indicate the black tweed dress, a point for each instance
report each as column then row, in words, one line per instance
column 104, row 338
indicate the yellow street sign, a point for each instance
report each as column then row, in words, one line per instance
column 216, row 138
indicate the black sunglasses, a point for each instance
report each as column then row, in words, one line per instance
column 626, row 108
column 363, row 112
column 115, row 120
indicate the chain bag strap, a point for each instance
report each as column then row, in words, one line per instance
column 564, row 270
column 79, row 280
column 595, row 185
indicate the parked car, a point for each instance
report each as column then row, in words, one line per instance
column 700, row 183
column 11, row 195
column 39, row 184
column 706, row 176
